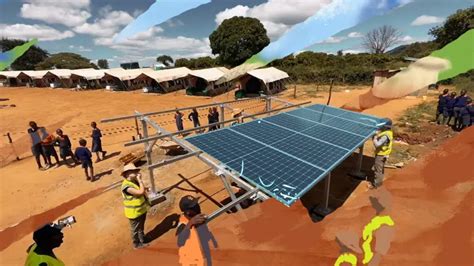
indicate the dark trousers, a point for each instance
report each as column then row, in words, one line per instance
column 137, row 227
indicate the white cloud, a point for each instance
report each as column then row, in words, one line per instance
column 65, row 12
column 41, row 32
column 426, row 20
column 276, row 15
column 80, row 48
column 352, row 51
column 334, row 40
column 355, row 34
column 150, row 41
column 404, row 2
column 109, row 23
column 174, row 23
column 406, row 39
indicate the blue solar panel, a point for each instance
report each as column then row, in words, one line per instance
column 287, row 154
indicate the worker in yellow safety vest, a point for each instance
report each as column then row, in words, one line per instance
column 41, row 253
column 135, row 203
column 383, row 141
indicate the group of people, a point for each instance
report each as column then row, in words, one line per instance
column 193, row 235
column 43, row 144
column 212, row 118
column 460, row 109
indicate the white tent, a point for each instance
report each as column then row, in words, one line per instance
column 168, row 74
column 35, row 74
column 129, row 74
column 60, row 73
column 210, row 74
column 10, row 74
column 268, row 75
column 88, row 73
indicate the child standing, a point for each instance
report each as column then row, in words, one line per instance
column 65, row 147
column 97, row 142
column 48, row 149
column 85, row 156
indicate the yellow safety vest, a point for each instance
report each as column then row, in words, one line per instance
column 386, row 148
column 35, row 259
column 134, row 206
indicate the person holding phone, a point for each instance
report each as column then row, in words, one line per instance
column 41, row 253
column 135, row 204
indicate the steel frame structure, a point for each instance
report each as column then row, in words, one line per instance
column 222, row 172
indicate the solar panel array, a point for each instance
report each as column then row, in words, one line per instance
column 287, row 154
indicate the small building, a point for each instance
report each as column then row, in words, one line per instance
column 203, row 82
column 33, row 78
column 10, row 79
column 123, row 80
column 164, row 81
column 384, row 74
column 87, row 78
column 265, row 80
column 58, row 78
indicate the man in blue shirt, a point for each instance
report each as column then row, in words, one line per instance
column 448, row 111
column 442, row 101
column 461, row 102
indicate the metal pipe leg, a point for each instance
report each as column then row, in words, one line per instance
column 327, row 188
column 229, row 190
column 148, row 156
column 361, row 157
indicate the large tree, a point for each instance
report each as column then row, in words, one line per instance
column 378, row 40
column 237, row 39
column 65, row 60
column 455, row 26
column 165, row 60
column 28, row 60
column 103, row 63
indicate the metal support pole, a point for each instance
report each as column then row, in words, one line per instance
column 327, row 188
column 361, row 157
column 229, row 190
column 137, row 128
column 148, row 155
column 230, row 205
column 222, row 116
column 268, row 106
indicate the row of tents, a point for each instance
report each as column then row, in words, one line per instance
column 196, row 82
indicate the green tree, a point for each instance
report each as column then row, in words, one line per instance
column 237, row 39
column 28, row 61
column 65, row 60
column 455, row 26
column 182, row 62
column 165, row 60
column 103, row 64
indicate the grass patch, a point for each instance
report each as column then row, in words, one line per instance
column 415, row 116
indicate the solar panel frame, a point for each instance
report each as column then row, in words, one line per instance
column 267, row 122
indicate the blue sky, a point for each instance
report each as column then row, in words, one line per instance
column 88, row 27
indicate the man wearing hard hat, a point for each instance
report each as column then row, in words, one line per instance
column 135, row 203
column 383, row 141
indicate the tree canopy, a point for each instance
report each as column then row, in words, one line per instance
column 165, row 60
column 28, row 60
column 456, row 25
column 237, row 39
column 103, row 63
column 65, row 60
column 197, row 63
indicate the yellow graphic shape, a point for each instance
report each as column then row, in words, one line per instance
column 367, row 234
column 346, row 257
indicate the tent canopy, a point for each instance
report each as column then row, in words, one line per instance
column 88, row 73
column 35, row 74
column 60, row 73
column 168, row 74
column 129, row 74
column 10, row 74
column 210, row 74
column 268, row 75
